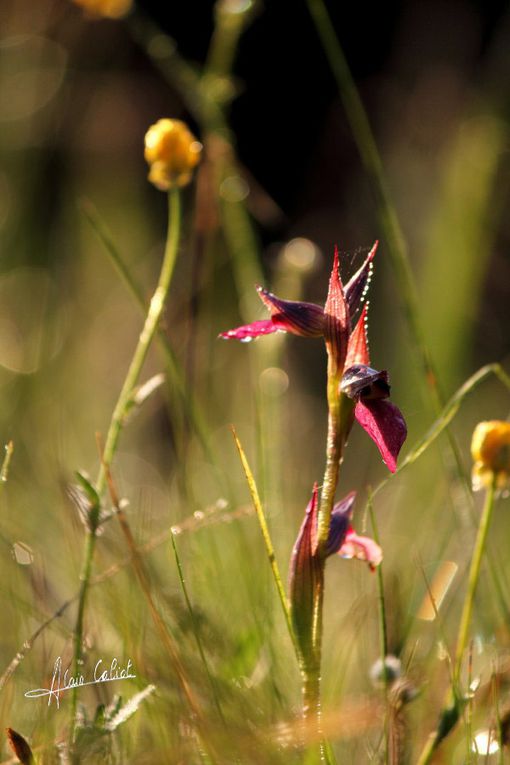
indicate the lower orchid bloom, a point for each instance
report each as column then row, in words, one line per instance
column 305, row 574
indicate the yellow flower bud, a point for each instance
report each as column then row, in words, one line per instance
column 110, row 9
column 172, row 152
column 490, row 449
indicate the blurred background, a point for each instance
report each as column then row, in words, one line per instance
column 282, row 182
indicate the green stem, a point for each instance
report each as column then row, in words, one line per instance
column 257, row 504
column 196, row 632
column 474, row 575
column 149, row 329
column 383, row 631
column 451, row 707
column 340, row 410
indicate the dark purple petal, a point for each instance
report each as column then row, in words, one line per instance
column 305, row 319
column 385, row 425
column 255, row 329
column 337, row 323
column 340, row 523
column 358, row 284
column 360, row 381
column 305, row 579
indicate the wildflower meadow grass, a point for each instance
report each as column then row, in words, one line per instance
column 254, row 378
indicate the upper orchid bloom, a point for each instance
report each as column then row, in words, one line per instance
column 304, row 319
column 347, row 347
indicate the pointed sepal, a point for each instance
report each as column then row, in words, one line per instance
column 357, row 286
column 357, row 348
column 336, row 322
column 306, row 581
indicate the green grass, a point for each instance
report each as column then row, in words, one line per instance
column 182, row 582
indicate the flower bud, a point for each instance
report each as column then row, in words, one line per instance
column 172, row 152
column 490, row 449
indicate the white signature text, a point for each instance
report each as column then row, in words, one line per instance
column 61, row 682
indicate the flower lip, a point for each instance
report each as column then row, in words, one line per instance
column 385, row 425
column 361, row 381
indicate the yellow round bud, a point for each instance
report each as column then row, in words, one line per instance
column 172, row 152
column 110, row 9
column 490, row 449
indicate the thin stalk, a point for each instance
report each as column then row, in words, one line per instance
column 474, row 575
column 164, row 633
column 173, row 368
column 257, row 504
column 151, row 324
column 196, row 632
column 452, row 700
column 149, row 329
column 383, row 632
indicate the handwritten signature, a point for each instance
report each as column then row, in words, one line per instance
column 65, row 682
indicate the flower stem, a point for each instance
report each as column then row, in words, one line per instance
column 149, row 329
column 339, row 423
column 474, row 575
column 450, row 711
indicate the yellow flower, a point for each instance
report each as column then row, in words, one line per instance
column 110, row 9
column 172, row 152
column 490, row 449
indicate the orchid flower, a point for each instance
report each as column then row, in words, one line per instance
column 347, row 350
column 306, row 570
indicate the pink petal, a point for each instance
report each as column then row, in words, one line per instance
column 255, row 329
column 362, row 548
column 385, row 425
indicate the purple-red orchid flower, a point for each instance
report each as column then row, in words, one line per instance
column 299, row 318
column 306, row 571
column 347, row 350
